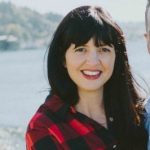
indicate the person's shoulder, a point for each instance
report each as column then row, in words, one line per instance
column 38, row 133
column 46, row 114
column 147, row 105
column 38, row 121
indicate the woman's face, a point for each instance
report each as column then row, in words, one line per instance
column 90, row 67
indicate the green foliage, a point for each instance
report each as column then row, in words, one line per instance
column 33, row 29
column 25, row 24
column 53, row 17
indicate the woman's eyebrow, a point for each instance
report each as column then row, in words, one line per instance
column 81, row 46
column 111, row 45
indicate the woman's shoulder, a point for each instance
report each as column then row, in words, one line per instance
column 40, row 129
column 46, row 114
column 39, row 120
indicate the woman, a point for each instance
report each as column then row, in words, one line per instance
column 93, row 103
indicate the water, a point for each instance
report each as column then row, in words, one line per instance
column 23, row 87
column 139, row 59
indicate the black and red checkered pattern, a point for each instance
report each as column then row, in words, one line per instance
column 57, row 126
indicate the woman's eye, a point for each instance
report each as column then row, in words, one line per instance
column 80, row 49
column 104, row 49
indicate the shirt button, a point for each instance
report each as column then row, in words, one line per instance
column 111, row 119
column 114, row 146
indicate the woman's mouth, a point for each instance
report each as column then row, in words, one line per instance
column 91, row 74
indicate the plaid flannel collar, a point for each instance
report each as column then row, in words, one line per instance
column 57, row 106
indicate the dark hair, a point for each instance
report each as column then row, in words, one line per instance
column 146, row 15
column 121, row 99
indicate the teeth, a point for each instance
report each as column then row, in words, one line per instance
column 91, row 73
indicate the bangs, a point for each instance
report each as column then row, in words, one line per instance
column 81, row 30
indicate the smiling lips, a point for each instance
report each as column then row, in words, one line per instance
column 91, row 74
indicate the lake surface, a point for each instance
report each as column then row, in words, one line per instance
column 24, row 85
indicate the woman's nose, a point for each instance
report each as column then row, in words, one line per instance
column 93, row 58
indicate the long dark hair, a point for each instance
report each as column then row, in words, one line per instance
column 121, row 98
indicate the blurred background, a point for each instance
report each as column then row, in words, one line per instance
column 26, row 27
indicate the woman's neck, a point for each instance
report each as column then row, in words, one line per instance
column 91, row 104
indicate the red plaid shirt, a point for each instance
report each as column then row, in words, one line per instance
column 57, row 126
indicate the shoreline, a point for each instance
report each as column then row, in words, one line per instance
column 12, row 138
